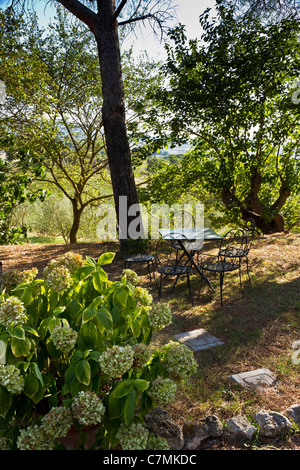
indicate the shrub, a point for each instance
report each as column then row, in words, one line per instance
column 75, row 351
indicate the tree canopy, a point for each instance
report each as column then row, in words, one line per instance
column 231, row 94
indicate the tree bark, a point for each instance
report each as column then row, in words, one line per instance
column 113, row 112
column 267, row 226
column 104, row 26
column 76, row 221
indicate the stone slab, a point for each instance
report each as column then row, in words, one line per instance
column 258, row 379
column 198, row 340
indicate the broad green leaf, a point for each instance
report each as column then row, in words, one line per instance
column 20, row 347
column 141, row 384
column 38, row 373
column 53, row 322
column 105, row 319
column 129, row 408
column 115, row 407
column 136, row 328
column 88, row 314
column 17, row 332
column 5, row 401
column 95, row 355
column 74, row 308
column 84, row 272
column 89, row 334
column 58, row 310
column 83, row 372
column 90, row 261
column 53, row 299
column 98, row 283
column 31, row 330
column 96, row 302
column 31, row 385
column 120, row 298
column 122, row 389
column 106, row 258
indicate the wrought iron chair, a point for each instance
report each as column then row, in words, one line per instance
column 190, row 245
column 232, row 249
column 135, row 252
column 237, row 243
column 168, row 264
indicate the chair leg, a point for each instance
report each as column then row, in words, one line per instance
column 241, row 284
column 221, row 286
column 248, row 268
column 175, row 282
column 189, row 286
column 159, row 288
column 149, row 273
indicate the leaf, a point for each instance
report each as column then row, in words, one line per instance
column 88, row 314
column 58, row 310
column 83, row 372
column 89, row 334
column 141, row 384
column 74, row 308
column 120, row 298
column 105, row 319
column 31, row 386
column 106, row 258
column 83, row 272
column 31, row 330
column 38, row 373
column 98, row 282
column 17, row 332
column 136, row 328
column 5, row 401
column 129, row 408
column 115, row 407
column 96, row 302
column 20, row 347
column 122, row 389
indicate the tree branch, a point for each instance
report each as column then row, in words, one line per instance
column 119, row 9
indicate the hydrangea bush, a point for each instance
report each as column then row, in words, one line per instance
column 75, row 352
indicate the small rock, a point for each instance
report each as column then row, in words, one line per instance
column 195, row 433
column 239, row 427
column 159, row 423
column 272, row 424
column 293, row 413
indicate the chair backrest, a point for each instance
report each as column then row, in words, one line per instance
column 234, row 241
column 249, row 230
column 133, row 246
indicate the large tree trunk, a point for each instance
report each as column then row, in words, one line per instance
column 253, row 209
column 114, row 122
column 76, row 221
column 104, row 26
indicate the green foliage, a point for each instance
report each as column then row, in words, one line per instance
column 73, row 337
column 232, row 94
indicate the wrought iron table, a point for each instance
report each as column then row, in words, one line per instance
column 191, row 235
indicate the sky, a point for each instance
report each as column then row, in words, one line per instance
column 188, row 12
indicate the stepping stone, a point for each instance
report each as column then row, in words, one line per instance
column 198, row 340
column 259, row 379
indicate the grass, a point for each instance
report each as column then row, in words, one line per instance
column 257, row 330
